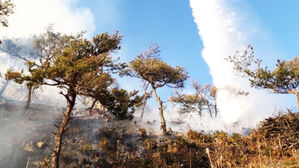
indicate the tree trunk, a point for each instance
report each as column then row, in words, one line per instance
column 206, row 102
column 146, row 96
column 210, row 110
column 216, row 110
column 297, row 99
column 142, row 110
column 163, row 122
column 60, row 132
column 199, row 105
column 92, row 106
column 2, row 90
column 28, row 97
column 143, row 105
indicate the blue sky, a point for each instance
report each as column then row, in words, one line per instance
column 163, row 22
column 170, row 24
column 281, row 18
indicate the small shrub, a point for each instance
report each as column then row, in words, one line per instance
column 104, row 144
column 147, row 163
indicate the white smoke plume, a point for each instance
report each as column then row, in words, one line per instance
column 224, row 29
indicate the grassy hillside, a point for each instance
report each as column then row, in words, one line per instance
column 99, row 141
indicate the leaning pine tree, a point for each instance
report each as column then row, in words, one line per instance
column 71, row 67
column 284, row 79
column 150, row 68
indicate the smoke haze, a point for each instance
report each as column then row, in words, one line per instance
column 32, row 17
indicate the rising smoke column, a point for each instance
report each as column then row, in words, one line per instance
column 225, row 30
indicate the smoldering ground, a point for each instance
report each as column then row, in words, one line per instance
column 21, row 129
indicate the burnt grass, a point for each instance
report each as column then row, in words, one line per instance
column 95, row 142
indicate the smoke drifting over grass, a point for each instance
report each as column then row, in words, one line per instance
column 224, row 29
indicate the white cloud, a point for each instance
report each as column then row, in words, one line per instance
column 33, row 16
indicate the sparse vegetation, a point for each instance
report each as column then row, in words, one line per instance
column 78, row 67
column 94, row 142
column 203, row 98
column 6, row 9
column 90, row 137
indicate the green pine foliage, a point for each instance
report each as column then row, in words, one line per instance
column 284, row 79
